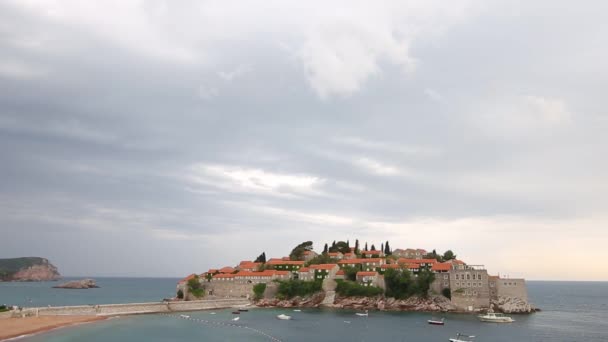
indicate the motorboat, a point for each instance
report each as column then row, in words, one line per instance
column 236, row 318
column 243, row 310
column 362, row 314
column 495, row 318
column 283, row 317
column 462, row 338
column 184, row 316
column 297, row 310
column 436, row 321
column 237, row 312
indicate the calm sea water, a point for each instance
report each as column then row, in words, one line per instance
column 572, row 311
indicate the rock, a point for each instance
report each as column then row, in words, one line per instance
column 510, row 305
column 28, row 269
column 78, row 284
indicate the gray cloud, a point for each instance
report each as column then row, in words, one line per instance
column 157, row 139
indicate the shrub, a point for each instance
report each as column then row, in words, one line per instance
column 195, row 287
column 447, row 293
column 258, row 291
column 180, row 294
column 294, row 287
column 352, row 289
column 400, row 284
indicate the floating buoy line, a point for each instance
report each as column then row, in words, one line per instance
column 225, row 324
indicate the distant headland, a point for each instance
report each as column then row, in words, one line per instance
column 357, row 277
column 28, row 269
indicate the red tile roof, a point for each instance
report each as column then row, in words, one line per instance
column 323, row 266
column 304, row 269
column 340, row 272
column 416, row 261
column 284, row 262
column 441, row 267
column 224, row 275
column 285, row 258
column 364, row 274
column 266, row 273
column 192, row 276
column 360, row 261
column 372, row 252
column 226, row 269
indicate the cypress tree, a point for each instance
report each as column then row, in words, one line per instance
column 325, row 249
column 357, row 246
column 365, row 246
column 373, row 247
column 381, row 247
column 387, row 249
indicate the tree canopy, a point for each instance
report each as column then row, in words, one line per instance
column 298, row 252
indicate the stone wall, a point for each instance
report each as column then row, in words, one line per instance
column 133, row 308
column 230, row 289
column 512, row 288
column 470, row 290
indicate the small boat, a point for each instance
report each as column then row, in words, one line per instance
column 243, row 310
column 283, row 317
column 365, row 314
column 236, row 318
column 436, row 321
column 184, row 316
column 212, row 313
column 462, row 338
column 297, row 310
column 237, row 312
column 495, row 318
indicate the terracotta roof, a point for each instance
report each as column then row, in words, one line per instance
column 249, row 264
column 323, row 266
column 304, row 269
column 212, row 270
column 266, row 273
column 441, row 267
column 192, row 276
column 416, row 261
column 284, row 262
column 360, row 261
column 285, row 258
column 224, row 275
column 340, row 272
column 226, row 269
column 372, row 252
column 281, row 272
column 364, row 274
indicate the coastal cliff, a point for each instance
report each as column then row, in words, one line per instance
column 430, row 304
column 27, row 269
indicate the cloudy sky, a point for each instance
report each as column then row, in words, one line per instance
column 160, row 138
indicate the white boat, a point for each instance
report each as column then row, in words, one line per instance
column 436, row 321
column 297, row 310
column 236, row 318
column 462, row 338
column 495, row 318
column 284, row 317
column 363, row 314
column 184, row 316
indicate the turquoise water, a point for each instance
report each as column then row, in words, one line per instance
column 572, row 311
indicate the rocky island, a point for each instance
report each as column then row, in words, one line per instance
column 362, row 278
column 78, row 284
column 28, row 269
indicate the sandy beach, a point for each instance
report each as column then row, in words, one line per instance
column 14, row 327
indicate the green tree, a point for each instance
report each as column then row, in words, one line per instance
column 387, row 249
column 258, row 291
column 373, row 247
column 294, row 287
column 365, row 246
column 325, row 249
column 180, row 294
column 350, row 272
column 195, row 287
column 351, row 289
column 261, row 258
column 449, row 255
column 447, row 293
column 382, row 247
column 298, row 252
column 357, row 246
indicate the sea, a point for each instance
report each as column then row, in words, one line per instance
column 571, row 311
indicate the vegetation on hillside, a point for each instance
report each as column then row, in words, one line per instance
column 294, row 287
column 401, row 284
column 298, row 252
column 258, row 291
column 195, row 287
column 8, row 267
column 352, row 289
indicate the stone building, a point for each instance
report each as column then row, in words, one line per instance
column 470, row 288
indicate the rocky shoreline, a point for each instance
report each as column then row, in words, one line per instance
column 412, row 304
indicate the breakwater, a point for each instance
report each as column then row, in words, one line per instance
column 133, row 308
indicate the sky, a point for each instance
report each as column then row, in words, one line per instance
column 161, row 138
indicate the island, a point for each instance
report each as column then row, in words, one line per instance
column 78, row 284
column 28, row 269
column 361, row 278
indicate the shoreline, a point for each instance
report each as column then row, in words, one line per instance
column 16, row 328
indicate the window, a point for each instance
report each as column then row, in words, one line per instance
column 445, row 276
column 446, row 284
column 468, row 276
column 468, row 284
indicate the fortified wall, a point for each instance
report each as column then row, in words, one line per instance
column 132, row 308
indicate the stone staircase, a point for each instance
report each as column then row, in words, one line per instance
column 330, row 296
